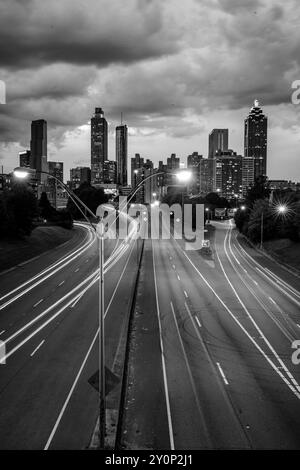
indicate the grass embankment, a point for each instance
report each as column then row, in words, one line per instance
column 13, row 252
column 285, row 251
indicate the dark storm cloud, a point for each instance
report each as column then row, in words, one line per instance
column 81, row 32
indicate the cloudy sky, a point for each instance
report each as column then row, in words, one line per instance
column 176, row 69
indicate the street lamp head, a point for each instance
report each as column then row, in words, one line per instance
column 282, row 209
column 207, row 209
column 135, row 172
column 22, row 173
column 154, row 194
column 243, row 208
column 184, row 176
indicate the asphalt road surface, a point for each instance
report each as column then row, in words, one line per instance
column 49, row 323
column 211, row 361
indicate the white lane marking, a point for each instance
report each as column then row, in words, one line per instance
column 185, row 293
column 198, row 321
column 84, row 361
column 35, row 305
column 37, row 348
column 76, row 270
column 3, row 331
column 254, row 281
column 62, row 282
column 295, row 387
column 170, row 425
column 170, row 257
column 87, row 260
column 77, row 300
column 62, row 309
column 68, row 259
column 222, row 373
column 178, row 277
column 70, row 393
column 189, row 370
column 291, row 387
column 173, row 266
column 298, row 325
column 273, row 301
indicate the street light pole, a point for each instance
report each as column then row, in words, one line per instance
column 102, row 404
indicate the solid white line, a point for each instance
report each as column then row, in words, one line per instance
column 62, row 282
column 222, row 373
column 170, row 425
column 2, row 332
column 35, row 305
column 291, row 387
column 70, row 394
column 185, row 293
column 38, row 347
column 198, row 321
column 295, row 387
column 84, row 362
column 77, row 300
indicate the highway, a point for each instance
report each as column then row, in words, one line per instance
column 49, row 323
column 211, row 366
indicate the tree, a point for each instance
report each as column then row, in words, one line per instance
column 91, row 196
column 46, row 210
column 18, row 208
column 261, row 209
column 260, row 190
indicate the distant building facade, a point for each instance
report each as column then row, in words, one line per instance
column 217, row 141
column 99, row 145
column 121, row 154
column 79, row 175
column 228, row 174
column 255, row 139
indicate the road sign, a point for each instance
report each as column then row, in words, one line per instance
column 111, row 380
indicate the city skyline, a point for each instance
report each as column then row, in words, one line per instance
column 167, row 107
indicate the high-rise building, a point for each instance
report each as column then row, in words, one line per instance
column 121, row 154
column 110, row 172
column 173, row 164
column 193, row 163
column 217, row 140
column 38, row 149
column 228, row 174
column 99, row 144
column 79, row 175
column 137, row 163
column 247, row 173
column 206, row 177
column 256, row 139
column 24, row 159
column 55, row 190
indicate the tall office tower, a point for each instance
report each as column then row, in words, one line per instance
column 206, row 178
column 173, row 164
column 137, row 163
column 121, row 154
column 247, row 173
column 24, row 158
column 38, row 149
column 256, row 125
column 79, row 175
column 99, row 140
column 217, row 140
column 56, row 169
column 193, row 162
column 228, row 174
column 110, row 172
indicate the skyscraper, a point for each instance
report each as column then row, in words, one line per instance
column 256, row 139
column 193, row 162
column 248, row 173
column 38, row 149
column 99, row 139
column 56, row 169
column 24, row 158
column 228, row 174
column 121, row 154
column 217, row 140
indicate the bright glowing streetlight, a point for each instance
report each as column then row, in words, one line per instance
column 282, row 209
column 184, row 176
column 243, row 208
